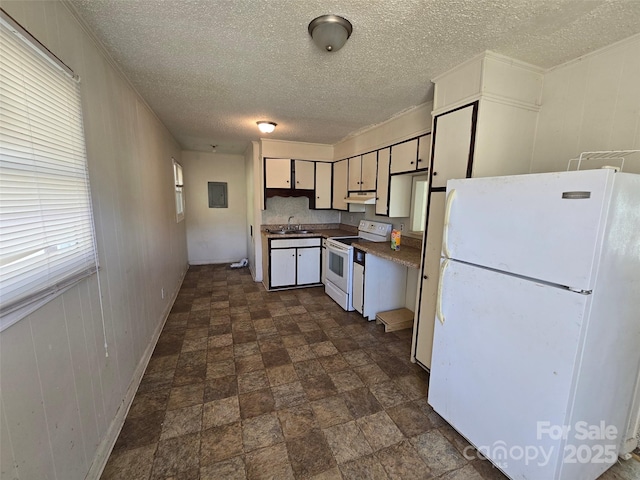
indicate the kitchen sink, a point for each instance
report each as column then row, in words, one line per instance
column 289, row 232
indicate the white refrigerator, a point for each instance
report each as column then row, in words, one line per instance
column 536, row 353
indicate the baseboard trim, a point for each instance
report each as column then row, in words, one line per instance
column 106, row 446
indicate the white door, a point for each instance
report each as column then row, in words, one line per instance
column 452, row 145
column 323, row 185
column 305, row 174
column 355, row 173
column 369, row 168
column 283, row 267
column 338, row 265
column 277, row 173
column 308, row 265
column 428, row 283
column 340, row 171
column 404, row 156
column 424, row 151
column 525, row 224
column 357, row 297
column 503, row 360
column 382, row 188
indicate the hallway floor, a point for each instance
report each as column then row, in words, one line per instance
column 250, row 384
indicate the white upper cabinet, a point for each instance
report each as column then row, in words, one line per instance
column 340, row 172
column 404, row 156
column 369, row 170
column 452, row 145
column 304, row 172
column 323, row 185
column 355, row 172
column 424, row 151
column 277, row 173
column 382, row 189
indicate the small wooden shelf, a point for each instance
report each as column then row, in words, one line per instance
column 398, row 319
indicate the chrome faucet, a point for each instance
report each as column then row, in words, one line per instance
column 289, row 222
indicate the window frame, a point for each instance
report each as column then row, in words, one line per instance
column 178, row 181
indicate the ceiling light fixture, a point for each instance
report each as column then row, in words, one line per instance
column 213, row 148
column 330, row 32
column 266, row 127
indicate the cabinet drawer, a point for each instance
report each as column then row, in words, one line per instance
column 296, row 242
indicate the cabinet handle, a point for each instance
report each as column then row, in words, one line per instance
column 435, row 173
column 287, row 181
column 411, row 162
column 419, row 160
column 317, row 197
column 425, row 277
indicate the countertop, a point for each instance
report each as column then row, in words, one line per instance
column 407, row 256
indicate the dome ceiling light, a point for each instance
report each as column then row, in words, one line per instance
column 330, row 32
column 266, row 127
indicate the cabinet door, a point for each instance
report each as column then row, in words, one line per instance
column 277, row 173
column 428, row 283
column 283, row 267
column 308, row 265
column 340, row 171
column 305, row 174
column 323, row 185
column 452, row 145
column 404, row 156
column 368, row 175
column 355, row 173
column 357, row 297
column 424, row 151
column 382, row 189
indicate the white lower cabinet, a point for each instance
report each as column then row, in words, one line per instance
column 308, row 267
column 294, row 262
column 283, row 267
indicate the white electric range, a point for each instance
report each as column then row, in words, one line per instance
column 339, row 282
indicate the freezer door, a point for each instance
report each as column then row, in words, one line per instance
column 503, row 360
column 544, row 226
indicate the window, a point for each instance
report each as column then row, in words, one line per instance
column 419, row 195
column 47, row 240
column 179, row 187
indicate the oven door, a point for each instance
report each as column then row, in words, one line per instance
column 339, row 265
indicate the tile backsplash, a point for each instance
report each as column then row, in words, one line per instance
column 278, row 210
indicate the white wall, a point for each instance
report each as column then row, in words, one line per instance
column 589, row 104
column 62, row 400
column 215, row 235
column 250, row 160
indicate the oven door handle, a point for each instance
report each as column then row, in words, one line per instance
column 337, row 248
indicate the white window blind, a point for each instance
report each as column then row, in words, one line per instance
column 47, row 238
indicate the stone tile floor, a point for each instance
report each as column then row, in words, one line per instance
column 250, row 384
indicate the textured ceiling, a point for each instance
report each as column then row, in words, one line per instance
column 211, row 68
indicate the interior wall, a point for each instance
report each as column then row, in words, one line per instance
column 215, row 235
column 62, row 400
column 250, row 225
column 590, row 104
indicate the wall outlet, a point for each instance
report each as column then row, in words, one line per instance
column 162, row 293
column 401, row 226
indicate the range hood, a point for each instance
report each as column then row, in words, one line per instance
column 361, row 198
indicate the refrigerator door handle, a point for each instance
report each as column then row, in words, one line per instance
column 445, row 232
column 439, row 314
